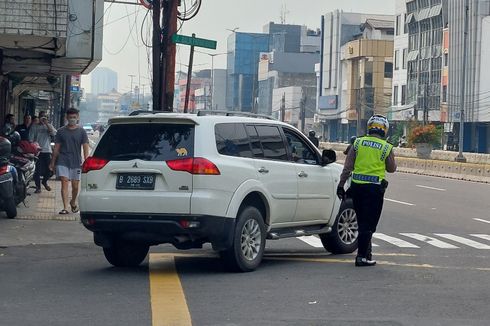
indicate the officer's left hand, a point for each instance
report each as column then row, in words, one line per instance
column 341, row 192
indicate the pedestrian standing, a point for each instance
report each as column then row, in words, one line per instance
column 67, row 158
column 367, row 161
column 24, row 128
column 312, row 138
column 42, row 132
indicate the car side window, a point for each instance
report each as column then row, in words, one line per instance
column 300, row 152
column 232, row 140
column 255, row 142
column 272, row 142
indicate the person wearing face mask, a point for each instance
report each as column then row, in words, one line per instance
column 67, row 158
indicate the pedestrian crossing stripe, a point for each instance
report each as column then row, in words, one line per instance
column 315, row 242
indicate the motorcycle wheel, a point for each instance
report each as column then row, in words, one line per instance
column 10, row 207
column 20, row 189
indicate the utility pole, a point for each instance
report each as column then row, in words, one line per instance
column 303, row 111
column 426, row 104
column 156, row 44
column 358, row 111
column 460, row 157
column 283, row 107
column 189, row 78
column 168, row 49
column 67, row 99
column 131, row 90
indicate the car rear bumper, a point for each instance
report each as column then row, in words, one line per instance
column 184, row 231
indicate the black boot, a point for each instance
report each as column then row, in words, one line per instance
column 361, row 262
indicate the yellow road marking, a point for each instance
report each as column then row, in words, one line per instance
column 168, row 303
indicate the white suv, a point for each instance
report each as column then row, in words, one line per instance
column 226, row 178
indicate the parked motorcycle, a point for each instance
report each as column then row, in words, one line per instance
column 23, row 157
column 8, row 180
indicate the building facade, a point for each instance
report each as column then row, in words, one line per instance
column 401, row 108
column 242, row 66
column 339, row 28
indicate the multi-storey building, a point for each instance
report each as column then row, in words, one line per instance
column 339, row 28
column 425, row 21
column 103, row 81
column 242, row 66
column 401, row 109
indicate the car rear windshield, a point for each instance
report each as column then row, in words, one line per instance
column 146, row 141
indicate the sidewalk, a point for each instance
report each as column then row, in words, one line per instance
column 45, row 206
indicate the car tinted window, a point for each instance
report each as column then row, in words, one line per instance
column 146, row 141
column 272, row 142
column 232, row 140
column 255, row 142
column 299, row 150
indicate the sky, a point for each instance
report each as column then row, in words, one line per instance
column 124, row 51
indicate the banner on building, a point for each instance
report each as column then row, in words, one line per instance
column 328, row 102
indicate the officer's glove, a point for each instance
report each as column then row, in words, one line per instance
column 341, row 192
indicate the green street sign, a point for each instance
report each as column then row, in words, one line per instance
column 194, row 41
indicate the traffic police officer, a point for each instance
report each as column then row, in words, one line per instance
column 367, row 162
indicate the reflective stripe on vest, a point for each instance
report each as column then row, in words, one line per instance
column 371, row 153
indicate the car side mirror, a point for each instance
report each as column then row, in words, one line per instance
column 328, row 156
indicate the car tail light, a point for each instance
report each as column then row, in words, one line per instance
column 196, row 165
column 93, row 163
column 3, row 169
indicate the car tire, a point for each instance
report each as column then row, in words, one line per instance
column 344, row 235
column 10, row 207
column 248, row 245
column 126, row 254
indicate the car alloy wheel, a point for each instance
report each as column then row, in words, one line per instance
column 347, row 228
column 251, row 239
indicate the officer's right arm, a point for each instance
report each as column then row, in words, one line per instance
column 350, row 161
column 390, row 163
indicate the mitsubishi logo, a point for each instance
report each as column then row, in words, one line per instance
column 135, row 165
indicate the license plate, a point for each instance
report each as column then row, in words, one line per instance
column 136, row 181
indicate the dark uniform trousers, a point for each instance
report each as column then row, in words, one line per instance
column 368, row 204
column 42, row 169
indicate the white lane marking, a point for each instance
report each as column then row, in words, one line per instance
column 481, row 236
column 464, row 241
column 394, row 241
column 480, row 220
column 374, row 245
column 432, row 188
column 312, row 241
column 432, row 241
column 399, row 202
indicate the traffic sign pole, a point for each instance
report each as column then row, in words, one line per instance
column 189, row 78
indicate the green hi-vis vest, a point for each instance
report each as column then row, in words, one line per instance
column 371, row 153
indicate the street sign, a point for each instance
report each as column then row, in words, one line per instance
column 194, row 41
column 75, row 89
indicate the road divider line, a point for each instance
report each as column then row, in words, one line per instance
column 432, row 241
column 394, row 241
column 464, row 241
column 312, row 241
column 481, row 236
column 168, row 303
column 480, row 220
column 399, row 202
column 431, row 188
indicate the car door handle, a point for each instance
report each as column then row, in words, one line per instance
column 303, row 174
column 263, row 170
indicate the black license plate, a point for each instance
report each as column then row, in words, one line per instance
column 135, row 181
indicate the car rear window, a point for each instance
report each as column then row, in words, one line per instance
column 232, row 140
column 146, row 141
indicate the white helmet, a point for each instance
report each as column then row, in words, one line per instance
column 378, row 124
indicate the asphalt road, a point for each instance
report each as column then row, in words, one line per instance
column 433, row 248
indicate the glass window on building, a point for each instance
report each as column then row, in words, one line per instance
column 395, row 95
column 404, row 94
column 444, row 94
column 398, row 24
column 397, row 59
column 388, row 70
